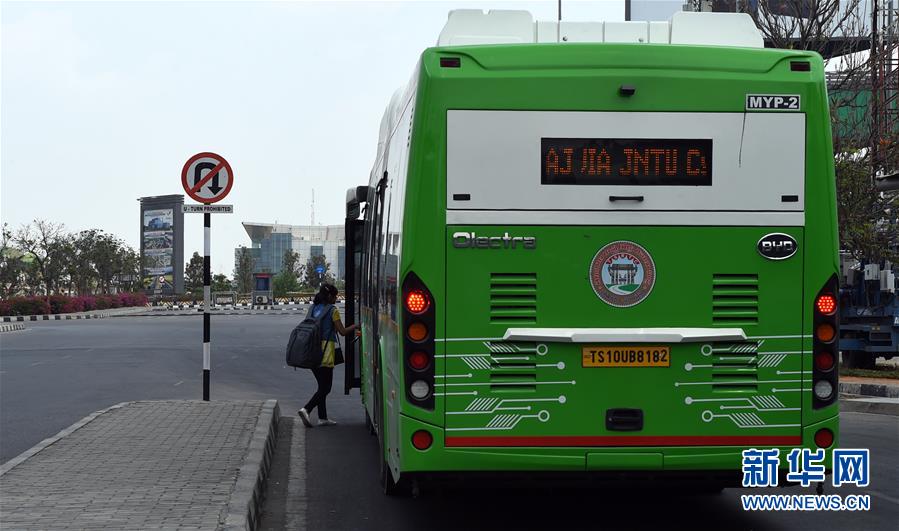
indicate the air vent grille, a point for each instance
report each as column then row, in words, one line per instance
column 735, row 367
column 735, row 299
column 513, row 368
column 513, row 298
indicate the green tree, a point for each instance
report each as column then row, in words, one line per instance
column 286, row 281
column 80, row 270
column 46, row 243
column 193, row 273
column 220, row 282
column 312, row 278
column 129, row 276
column 291, row 262
column 106, row 256
column 12, row 267
column 243, row 270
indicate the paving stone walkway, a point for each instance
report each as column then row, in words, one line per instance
column 141, row 465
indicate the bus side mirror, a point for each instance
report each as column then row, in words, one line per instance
column 362, row 193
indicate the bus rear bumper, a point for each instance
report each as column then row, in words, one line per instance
column 618, row 461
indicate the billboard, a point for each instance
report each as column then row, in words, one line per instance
column 162, row 251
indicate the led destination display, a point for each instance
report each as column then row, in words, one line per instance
column 626, row 161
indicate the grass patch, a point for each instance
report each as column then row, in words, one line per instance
column 880, row 371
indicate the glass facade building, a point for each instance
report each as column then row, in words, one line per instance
column 269, row 242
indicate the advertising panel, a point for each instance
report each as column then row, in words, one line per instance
column 159, row 250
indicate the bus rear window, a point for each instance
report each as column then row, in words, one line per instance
column 626, row 161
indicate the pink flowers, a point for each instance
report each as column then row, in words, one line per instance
column 56, row 304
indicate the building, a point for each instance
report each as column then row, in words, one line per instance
column 269, row 242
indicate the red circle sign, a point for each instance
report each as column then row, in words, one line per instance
column 209, row 187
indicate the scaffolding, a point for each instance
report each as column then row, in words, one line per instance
column 884, row 77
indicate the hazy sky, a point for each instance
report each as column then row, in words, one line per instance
column 102, row 103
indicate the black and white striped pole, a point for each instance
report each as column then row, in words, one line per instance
column 207, row 347
column 207, row 178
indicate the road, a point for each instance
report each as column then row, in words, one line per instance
column 57, row 372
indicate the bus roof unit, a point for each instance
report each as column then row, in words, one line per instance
column 473, row 26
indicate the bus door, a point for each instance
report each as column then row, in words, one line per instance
column 354, row 230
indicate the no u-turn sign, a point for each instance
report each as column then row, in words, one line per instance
column 207, row 177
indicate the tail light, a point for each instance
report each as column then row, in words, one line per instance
column 417, row 302
column 422, row 440
column 418, row 343
column 826, row 304
column 823, row 438
column 826, row 323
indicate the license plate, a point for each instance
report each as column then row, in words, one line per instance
column 626, row 356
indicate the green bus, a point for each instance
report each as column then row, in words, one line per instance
column 607, row 252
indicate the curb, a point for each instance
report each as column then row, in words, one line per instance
column 865, row 406
column 245, row 505
column 24, row 456
column 198, row 314
column 53, row 317
column 11, row 327
column 864, row 389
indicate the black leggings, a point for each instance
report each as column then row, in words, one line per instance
column 324, row 377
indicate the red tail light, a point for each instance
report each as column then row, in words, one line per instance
column 420, row 321
column 419, row 360
column 823, row 438
column 422, row 440
column 824, row 361
column 417, row 301
column 826, row 304
column 825, row 323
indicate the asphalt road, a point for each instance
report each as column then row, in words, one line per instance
column 55, row 373
column 343, row 493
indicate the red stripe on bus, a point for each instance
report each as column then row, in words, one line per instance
column 627, row 440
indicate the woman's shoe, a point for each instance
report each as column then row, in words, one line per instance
column 327, row 422
column 304, row 416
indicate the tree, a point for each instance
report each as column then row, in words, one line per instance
column 193, row 272
column 80, row 270
column 46, row 243
column 106, row 256
column 220, row 282
column 286, row 281
column 129, row 278
column 291, row 262
column 243, row 270
column 313, row 279
column 865, row 134
column 12, row 267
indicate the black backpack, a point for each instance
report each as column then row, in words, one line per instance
column 304, row 348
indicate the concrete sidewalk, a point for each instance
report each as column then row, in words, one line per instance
column 146, row 465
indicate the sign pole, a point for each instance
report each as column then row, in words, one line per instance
column 207, row 188
column 207, row 349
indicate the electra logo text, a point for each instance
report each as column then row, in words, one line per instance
column 463, row 240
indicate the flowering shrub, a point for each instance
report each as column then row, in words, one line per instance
column 29, row 306
column 65, row 304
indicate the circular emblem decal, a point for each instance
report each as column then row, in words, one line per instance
column 622, row 274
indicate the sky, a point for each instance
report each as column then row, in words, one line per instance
column 102, row 103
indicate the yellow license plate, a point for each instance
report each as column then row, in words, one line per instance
column 626, row 356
